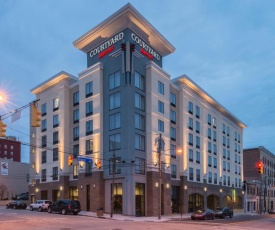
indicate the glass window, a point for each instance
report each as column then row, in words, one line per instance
column 139, row 101
column 190, row 123
column 191, row 173
column 190, row 107
column 55, row 154
column 75, row 171
column 139, row 81
column 173, row 151
column 224, row 166
column 89, row 146
column 76, row 151
column 228, row 131
column 139, row 122
column 215, row 149
column 160, row 87
column 215, row 162
column 76, row 116
column 228, row 167
column 89, row 108
column 209, row 161
column 44, row 141
column 55, row 120
column 76, row 133
column 139, row 142
column 173, row 171
column 55, row 104
column 114, row 80
column 44, row 125
column 190, row 139
column 223, row 128
column 198, row 111
column 76, row 98
column 173, row 134
column 209, row 119
column 198, row 127
column 228, row 180
column 198, row 157
column 114, row 120
column 44, row 175
column 55, row 137
column 198, row 142
column 190, row 155
column 173, row 116
column 89, row 127
column 44, row 157
column 161, row 107
column 115, row 100
column 198, row 175
column 160, row 126
column 43, row 109
column 215, row 178
column 214, row 135
column 209, row 147
column 114, row 141
column 210, row 177
column 209, row 133
column 224, row 180
column 173, row 99
column 140, row 166
column 89, row 89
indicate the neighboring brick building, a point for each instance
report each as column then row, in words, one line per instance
column 10, row 149
column 260, row 188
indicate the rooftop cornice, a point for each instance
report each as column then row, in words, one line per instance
column 129, row 17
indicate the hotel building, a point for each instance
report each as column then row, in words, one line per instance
column 110, row 118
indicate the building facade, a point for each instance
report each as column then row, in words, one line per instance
column 260, row 187
column 122, row 119
column 10, row 149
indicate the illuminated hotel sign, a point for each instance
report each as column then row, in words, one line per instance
column 145, row 49
column 107, row 46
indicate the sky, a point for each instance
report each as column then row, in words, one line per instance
column 226, row 47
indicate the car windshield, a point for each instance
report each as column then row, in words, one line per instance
column 199, row 211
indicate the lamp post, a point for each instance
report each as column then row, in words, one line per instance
column 159, row 156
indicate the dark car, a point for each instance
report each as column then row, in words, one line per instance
column 271, row 211
column 65, row 206
column 16, row 205
column 223, row 212
column 203, row 214
column 23, row 197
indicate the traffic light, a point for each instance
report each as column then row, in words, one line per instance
column 2, row 129
column 260, row 167
column 70, row 160
column 98, row 164
column 35, row 116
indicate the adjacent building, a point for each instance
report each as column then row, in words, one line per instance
column 10, row 149
column 259, row 187
column 119, row 116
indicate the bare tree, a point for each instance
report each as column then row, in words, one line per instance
column 3, row 189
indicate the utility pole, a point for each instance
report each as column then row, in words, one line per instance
column 159, row 155
column 113, row 183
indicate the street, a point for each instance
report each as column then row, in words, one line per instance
column 25, row 219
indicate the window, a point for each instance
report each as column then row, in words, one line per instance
column 44, row 141
column 173, row 171
column 209, row 161
column 224, row 166
column 173, row 134
column 190, row 139
column 55, row 120
column 139, row 122
column 173, row 151
column 76, row 116
column 139, row 81
column 89, row 89
column 89, row 146
column 209, row 133
column 190, row 155
column 76, row 133
column 44, row 157
column 209, row 147
column 88, row 168
column 173, row 99
column 223, row 128
column 228, row 180
column 215, row 149
column 75, row 151
column 160, row 126
column 228, row 167
column 44, row 175
column 55, row 154
column 114, row 141
column 55, row 173
column 228, row 131
column 228, row 155
column 190, row 123
column 214, row 121
column 75, row 171
column 190, row 107
column 161, row 107
column 191, row 173
column 198, row 111
column 210, row 177
column 89, row 108
column 198, row 157
column 140, row 166
column 114, row 120
column 55, row 104
column 215, row 178
column 215, row 162
column 198, row 142
column 139, row 142
column 197, row 127
column 235, row 136
column 89, row 127
column 223, row 141
column 198, row 175
column 115, row 165
column 209, row 119
column 224, row 180
column 214, row 135
column 55, row 137
column 139, row 101
column 44, row 125
column 160, row 87
column 114, row 80
column 173, row 116
column 228, row 143
column 76, row 98
column 43, row 109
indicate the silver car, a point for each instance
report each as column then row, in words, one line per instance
column 40, row 205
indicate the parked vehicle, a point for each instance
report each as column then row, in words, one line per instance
column 40, row 205
column 16, row 205
column 20, row 195
column 223, row 212
column 203, row 214
column 23, row 197
column 65, row 206
column 271, row 211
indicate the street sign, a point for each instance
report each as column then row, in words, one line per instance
column 85, row 159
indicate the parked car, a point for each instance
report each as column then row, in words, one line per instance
column 16, row 205
column 15, row 197
column 203, row 214
column 65, row 206
column 223, row 212
column 40, row 205
column 271, row 211
column 23, row 197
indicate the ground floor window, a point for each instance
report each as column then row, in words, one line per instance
column 56, row 194
column 175, row 199
column 44, row 195
column 117, row 192
column 73, row 193
column 140, row 199
column 195, row 202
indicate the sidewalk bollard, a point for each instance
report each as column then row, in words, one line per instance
column 99, row 212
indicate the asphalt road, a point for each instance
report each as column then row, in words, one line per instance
column 25, row 220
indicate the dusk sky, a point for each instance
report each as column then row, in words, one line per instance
column 226, row 47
